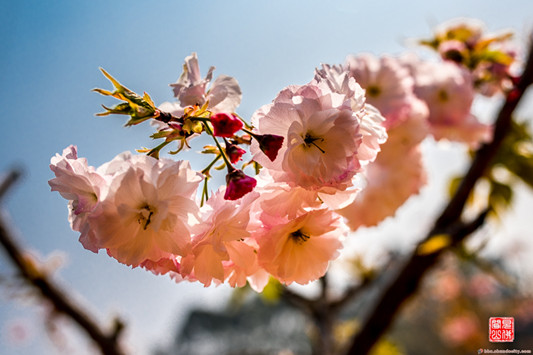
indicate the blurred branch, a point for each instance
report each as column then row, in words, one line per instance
column 449, row 223
column 8, row 181
column 488, row 267
column 349, row 294
column 324, row 311
column 32, row 272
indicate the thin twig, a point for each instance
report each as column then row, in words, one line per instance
column 449, row 223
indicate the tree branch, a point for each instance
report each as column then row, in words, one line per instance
column 449, row 223
column 31, row 271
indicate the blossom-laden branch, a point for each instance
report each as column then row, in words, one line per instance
column 32, row 272
column 448, row 224
column 317, row 146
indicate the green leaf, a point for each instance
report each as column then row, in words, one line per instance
column 138, row 108
column 494, row 57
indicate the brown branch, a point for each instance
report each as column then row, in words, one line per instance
column 9, row 180
column 449, row 222
column 33, row 274
column 324, row 311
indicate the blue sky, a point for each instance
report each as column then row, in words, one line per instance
column 50, row 52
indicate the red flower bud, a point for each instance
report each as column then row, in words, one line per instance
column 234, row 153
column 238, row 184
column 270, row 144
column 225, row 125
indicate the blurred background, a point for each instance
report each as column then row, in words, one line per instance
column 50, row 53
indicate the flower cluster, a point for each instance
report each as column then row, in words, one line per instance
column 491, row 58
column 310, row 149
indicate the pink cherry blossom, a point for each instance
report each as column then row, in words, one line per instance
column 224, row 95
column 242, row 266
column 82, row 186
column 258, row 280
column 162, row 266
column 448, row 92
column 338, row 80
column 299, row 250
column 218, row 241
column 148, row 211
column 389, row 186
column 388, row 85
column 407, row 135
column 278, row 200
column 321, row 138
column 396, row 174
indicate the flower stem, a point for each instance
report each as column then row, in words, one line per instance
column 155, row 151
column 207, row 168
column 250, row 133
column 205, row 192
column 222, row 152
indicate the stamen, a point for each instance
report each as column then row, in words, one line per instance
column 298, row 237
column 148, row 220
column 442, row 95
column 145, row 216
column 373, row 91
column 309, row 140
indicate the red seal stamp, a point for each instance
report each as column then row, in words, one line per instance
column 501, row 329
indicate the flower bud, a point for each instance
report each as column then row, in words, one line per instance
column 238, row 184
column 234, row 153
column 269, row 144
column 225, row 125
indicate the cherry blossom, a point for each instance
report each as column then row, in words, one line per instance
column 299, row 250
column 82, row 186
column 448, row 92
column 388, row 85
column 162, row 266
column 338, row 80
column 321, row 137
column 218, row 240
column 278, row 200
column 340, row 152
column 396, row 174
column 148, row 211
column 190, row 89
column 390, row 184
